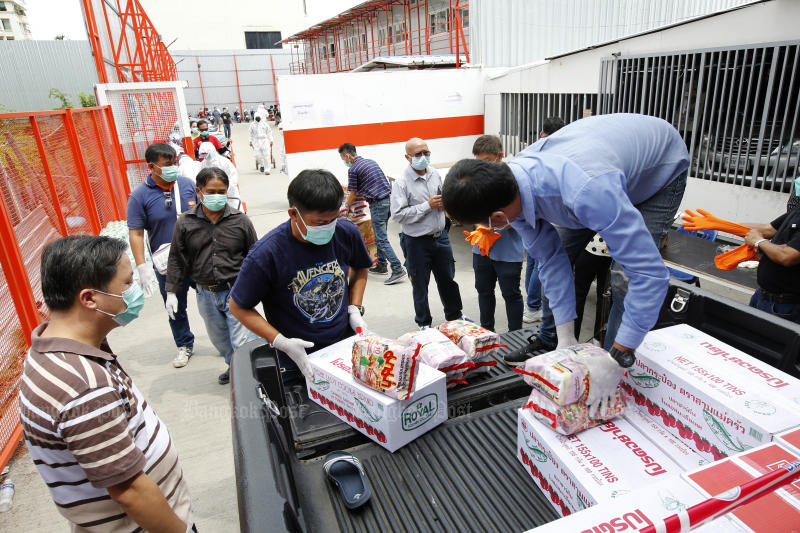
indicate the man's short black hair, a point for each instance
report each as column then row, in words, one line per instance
column 348, row 148
column 315, row 190
column 78, row 262
column 487, row 144
column 158, row 151
column 475, row 189
column 552, row 125
column 208, row 173
column 201, row 122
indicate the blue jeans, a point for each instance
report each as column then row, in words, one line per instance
column 227, row 128
column 423, row 256
column 181, row 332
column 226, row 333
column 658, row 212
column 533, row 287
column 488, row 273
column 786, row 311
column 379, row 212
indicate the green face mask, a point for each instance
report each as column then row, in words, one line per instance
column 133, row 297
column 169, row 174
column 215, row 202
column 318, row 235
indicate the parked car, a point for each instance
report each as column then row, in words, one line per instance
column 462, row 475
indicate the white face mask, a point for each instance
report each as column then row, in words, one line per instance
column 507, row 224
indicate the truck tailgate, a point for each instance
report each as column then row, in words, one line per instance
column 461, row 476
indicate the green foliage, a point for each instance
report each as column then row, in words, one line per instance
column 4, row 109
column 62, row 97
column 87, row 100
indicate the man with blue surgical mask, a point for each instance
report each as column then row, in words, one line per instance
column 106, row 456
column 417, row 205
column 309, row 274
column 154, row 206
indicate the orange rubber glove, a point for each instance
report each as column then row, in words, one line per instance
column 731, row 258
column 484, row 237
column 706, row 220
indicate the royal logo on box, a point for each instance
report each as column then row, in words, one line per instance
column 420, row 411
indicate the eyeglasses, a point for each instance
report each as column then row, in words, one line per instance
column 168, row 199
column 426, row 153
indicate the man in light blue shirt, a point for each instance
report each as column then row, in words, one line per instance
column 503, row 266
column 417, row 205
column 620, row 175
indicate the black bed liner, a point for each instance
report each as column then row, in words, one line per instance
column 463, row 476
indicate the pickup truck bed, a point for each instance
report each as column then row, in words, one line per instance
column 461, row 476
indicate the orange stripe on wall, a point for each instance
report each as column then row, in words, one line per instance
column 312, row 139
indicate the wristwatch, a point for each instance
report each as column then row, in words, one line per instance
column 759, row 241
column 625, row 359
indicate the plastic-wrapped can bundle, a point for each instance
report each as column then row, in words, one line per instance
column 386, row 365
column 439, row 352
column 571, row 418
column 477, row 342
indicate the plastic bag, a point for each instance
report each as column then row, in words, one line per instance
column 478, row 343
column 571, row 418
column 386, row 365
column 439, row 352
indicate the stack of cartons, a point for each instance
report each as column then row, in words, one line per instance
column 715, row 398
column 359, row 214
column 594, row 466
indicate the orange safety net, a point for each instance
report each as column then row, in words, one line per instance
column 58, row 177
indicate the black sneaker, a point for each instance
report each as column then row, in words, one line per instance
column 225, row 377
column 396, row 277
column 534, row 346
column 379, row 269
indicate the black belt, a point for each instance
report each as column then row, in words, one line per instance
column 429, row 235
column 217, row 287
column 784, row 298
column 373, row 200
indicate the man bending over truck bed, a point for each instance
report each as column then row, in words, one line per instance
column 309, row 273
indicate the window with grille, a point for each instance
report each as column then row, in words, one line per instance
column 262, row 39
column 522, row 114
column 738, row 109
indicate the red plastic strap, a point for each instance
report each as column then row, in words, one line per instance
column 538, row 377
column 490, row 347
column 547, row 414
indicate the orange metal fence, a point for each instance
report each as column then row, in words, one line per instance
column 61, row 173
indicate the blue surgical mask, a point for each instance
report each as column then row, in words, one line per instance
column 169, row 174
column 421, row 162
column 195, row 130
column 215, row 202
column 133, row 297
column 318, row 235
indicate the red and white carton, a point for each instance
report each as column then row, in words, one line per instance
column 790, row 439
column 778, row 511
column 676, row 448
column 714, row 397
column 648, row 506
column 390, row 422
column 594, row 466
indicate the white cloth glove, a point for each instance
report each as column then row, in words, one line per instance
column 566, row 335
column 147, row 279
column 356, row 320
column 604, row 377
column 296, row 350
column 171, row 304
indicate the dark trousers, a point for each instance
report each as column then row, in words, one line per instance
column 786, row 311
column 489, row 272
column 423, row 256
column 589, row 266
column 181, row 332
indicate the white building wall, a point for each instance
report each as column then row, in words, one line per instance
column 13, row 13
column 220, row 25
column 772, row 21
column 387, row 104
column 515, row 32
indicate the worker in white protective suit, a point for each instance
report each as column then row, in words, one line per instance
column 261, row 142
column 262, row 112
column 187, row 166
column 212, row 158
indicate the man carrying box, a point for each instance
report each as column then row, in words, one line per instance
column 620, row 175
column 309, row 274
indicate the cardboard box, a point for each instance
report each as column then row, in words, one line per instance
column 594, row 466
column 649, row 505
column 790, row 439
column 389, row 422
column 777, row 511
column 716, row 398
column 676, row 449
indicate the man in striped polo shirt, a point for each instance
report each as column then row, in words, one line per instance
column 366, row 179
column 107, row 459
